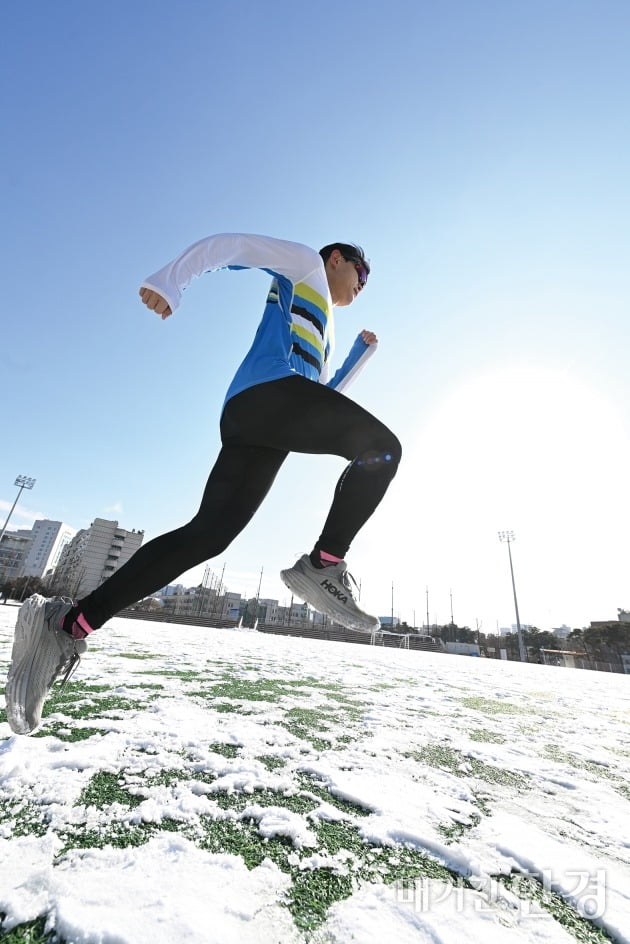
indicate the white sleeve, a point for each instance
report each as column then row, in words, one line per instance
column 236, row 250
column 360, row 353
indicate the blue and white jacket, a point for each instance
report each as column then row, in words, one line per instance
column 296, row 333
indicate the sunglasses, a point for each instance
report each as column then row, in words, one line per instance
column 361, row 271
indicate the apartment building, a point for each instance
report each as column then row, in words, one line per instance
column 48, row 540
column 94, row 554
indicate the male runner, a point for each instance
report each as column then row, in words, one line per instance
column 282, row 399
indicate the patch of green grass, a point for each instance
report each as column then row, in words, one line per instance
column 490, row 706
column 78, row 700
column 239, row 801
column 166, row 778
column 270, row 762
column 529, row 888
column 66, row 732
column 590, row 767
column 104, row 789
column 309, row 724
column 228, row 708
column 491, row 774
column 316, row 787
column 242, row 839
column 312, row 894
column 314, row 891
column 242, row 690
column 225, row 750
column 26, row 818
column 338, row 837
column 32, row 932
column 138, row 655
column 183, row 675
column 578, row 763
column 118, row 835
column 461, row 765
column 490, row 736
column 439, row 756
column 454, row 831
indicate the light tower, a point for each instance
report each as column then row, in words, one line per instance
column 22, row 482
column 507, row 537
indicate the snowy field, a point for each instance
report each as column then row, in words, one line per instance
column 226, row 786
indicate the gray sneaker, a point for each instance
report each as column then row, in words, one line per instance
column 41, row 652
column 329, row 591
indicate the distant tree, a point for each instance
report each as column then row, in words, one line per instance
column 451, row 632
column 509, row 642
column 19, row 588
column 540, row 639
column 608, row 639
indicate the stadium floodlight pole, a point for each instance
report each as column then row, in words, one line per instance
column 22, row 482
column 392, row 606
column 507, row 537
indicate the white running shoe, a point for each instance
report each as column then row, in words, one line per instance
column 41, row 652
column 329, row 591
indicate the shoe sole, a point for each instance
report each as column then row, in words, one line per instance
column 35, row 661
column 29, row 623
column 302, row 587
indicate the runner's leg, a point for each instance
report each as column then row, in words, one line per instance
column 259, row 427
column 298, row 415
column 239, row 481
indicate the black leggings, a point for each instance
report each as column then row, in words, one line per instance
column 259, row 427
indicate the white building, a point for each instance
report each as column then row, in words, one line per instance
column 510, row 630
column 230, row 605
column 34, row 552
column 48, row 540
column 94, row 554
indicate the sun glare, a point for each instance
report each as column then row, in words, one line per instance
column 529, row 449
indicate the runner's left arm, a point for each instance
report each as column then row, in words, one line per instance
column 360, row 352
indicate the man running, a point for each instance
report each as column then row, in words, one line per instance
column 282, row 399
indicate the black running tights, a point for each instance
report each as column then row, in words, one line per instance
column 259, row 427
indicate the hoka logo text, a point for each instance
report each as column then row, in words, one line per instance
column 334, row 591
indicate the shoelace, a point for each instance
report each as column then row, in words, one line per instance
column 71, row 667
column 346, row 582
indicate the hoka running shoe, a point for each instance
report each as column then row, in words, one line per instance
column 41, row 652
column 329, row 591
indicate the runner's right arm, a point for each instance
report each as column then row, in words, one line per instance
column 279, row 257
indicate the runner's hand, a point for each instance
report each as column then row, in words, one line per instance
column 155, row 302
column 369, row 337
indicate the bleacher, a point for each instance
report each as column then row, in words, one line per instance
column 336, row 633
column 332, row 632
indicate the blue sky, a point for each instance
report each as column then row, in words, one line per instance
column 477, row 150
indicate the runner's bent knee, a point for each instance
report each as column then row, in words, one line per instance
column 383, row 453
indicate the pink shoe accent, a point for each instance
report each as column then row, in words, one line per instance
column 329, row 558
column 81, row 628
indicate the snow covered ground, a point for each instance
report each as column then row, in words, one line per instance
column 208, row 785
